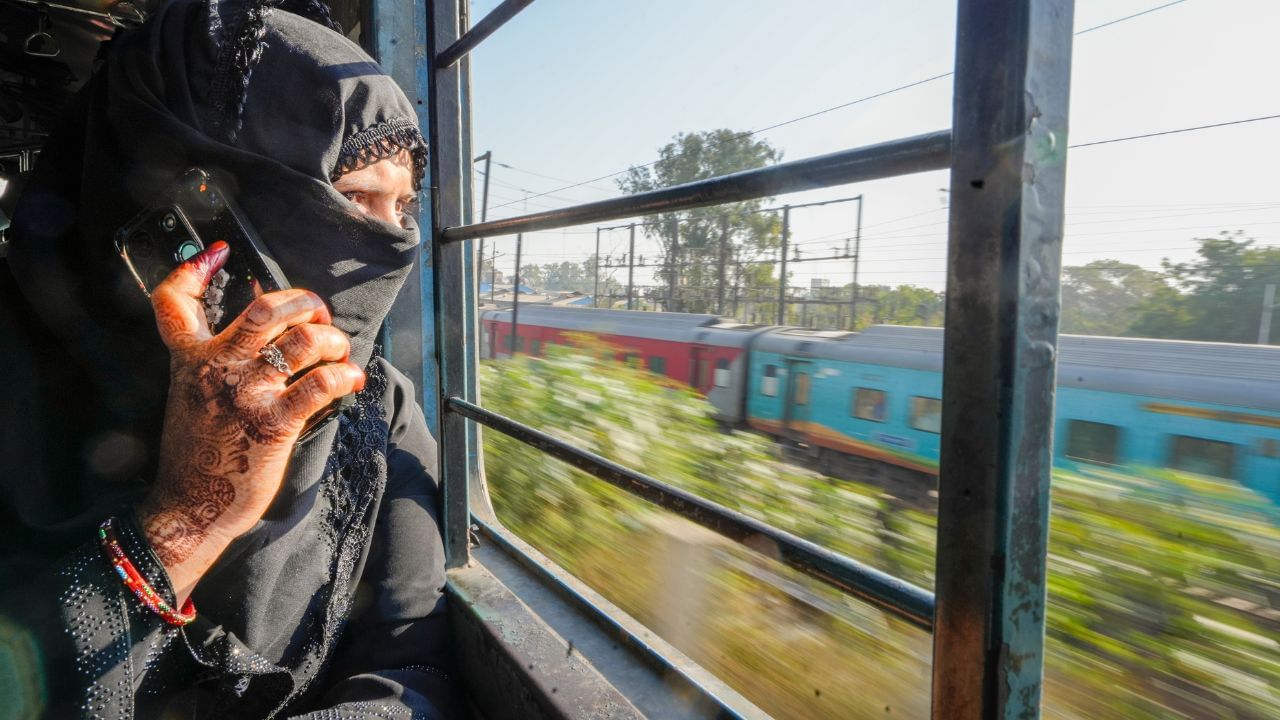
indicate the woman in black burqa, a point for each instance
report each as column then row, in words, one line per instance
column 330, row 604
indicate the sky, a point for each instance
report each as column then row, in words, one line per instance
column 572, row 90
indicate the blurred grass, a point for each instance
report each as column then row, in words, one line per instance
column 1164, row 587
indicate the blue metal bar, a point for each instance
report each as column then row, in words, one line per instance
column 931, row 151
column 1013, row 60
column 449, row 168
column 483, row 29
column 395, row 28
column 911, row 603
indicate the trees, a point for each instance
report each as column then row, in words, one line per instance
column 698, row 272
column 1217, row 297
column 1104, row 296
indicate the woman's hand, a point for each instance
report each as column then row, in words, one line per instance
column 231, row 421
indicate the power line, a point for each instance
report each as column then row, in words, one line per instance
column 1129, row 17
column 1174, row 132
column 841, row 106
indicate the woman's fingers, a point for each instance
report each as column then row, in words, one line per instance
column 308, row 344
column 320, row 387
column 271, row 314
column 176, row 301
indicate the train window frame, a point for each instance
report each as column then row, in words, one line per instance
column 855, row 403
column 996, row 139
column 1268, row 448
column 1069, row 448
column 1234, row 448
column 914, row 415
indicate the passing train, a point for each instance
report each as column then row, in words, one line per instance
column 861, row 400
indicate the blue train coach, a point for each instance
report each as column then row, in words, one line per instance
column 1207, row 408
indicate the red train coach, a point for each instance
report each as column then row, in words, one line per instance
column 696, row 349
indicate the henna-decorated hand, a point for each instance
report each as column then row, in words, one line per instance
column 231, row 419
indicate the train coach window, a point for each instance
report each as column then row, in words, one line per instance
column 722, row 373
column 926, row 414
column 802, row 388
column 769, row 383
column 1204, row 457
column 1268, row 448
column 657, row 365
column 869, row 404
column 1093, row 442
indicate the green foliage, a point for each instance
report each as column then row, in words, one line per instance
column 1104, row 296
column 1164, row 588
column 1216, row 297
column 748, row 236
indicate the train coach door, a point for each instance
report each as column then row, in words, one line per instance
column 795, row 412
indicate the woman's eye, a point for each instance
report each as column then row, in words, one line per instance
column 355, row 196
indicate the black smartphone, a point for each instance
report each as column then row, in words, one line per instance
column 195, row 213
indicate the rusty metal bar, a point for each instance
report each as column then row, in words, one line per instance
column 478, row 33
column 450, row 168
column 931, row 151
column 1013, row 61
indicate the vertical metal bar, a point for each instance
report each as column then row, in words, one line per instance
column 595, row 267
column 455, row 345
column 493, row 276
column 857, row 256
column 1013, row 60
column 395, row 30
column 515, row 299
column 782, row 279
column 720, row 274
column 631, row 267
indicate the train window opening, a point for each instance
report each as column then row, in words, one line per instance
column 926, row 414
column 1203, row 456
column 769, row 383
column 657, row 365
column 1268, row 448
column 801, row 396
column 722, row 376
column 1093, row 442
column 870, row 404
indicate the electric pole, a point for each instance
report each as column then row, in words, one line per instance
column 631, row 267
column 595, row 267
column 673, row 265
column 857, row 254
column 1268, row 304
column 720, row 278
column 484, row 202
column 515, row 298
column 782, row 280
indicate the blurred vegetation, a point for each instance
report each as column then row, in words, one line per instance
column 1164, row 588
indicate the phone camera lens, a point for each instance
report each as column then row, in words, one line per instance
column 140, row 244
column 187, row 250
column 169, row 222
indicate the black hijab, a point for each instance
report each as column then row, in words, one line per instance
column 276, row 102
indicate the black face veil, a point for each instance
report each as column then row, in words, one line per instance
column 273, row 101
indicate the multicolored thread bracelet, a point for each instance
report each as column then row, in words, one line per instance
column 133, row 579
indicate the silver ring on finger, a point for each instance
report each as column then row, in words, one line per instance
column 273, row 357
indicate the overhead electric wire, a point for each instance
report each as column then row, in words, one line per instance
column 1174, row 132
column 841, row 106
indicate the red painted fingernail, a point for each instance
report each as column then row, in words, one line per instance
column 211, row 259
